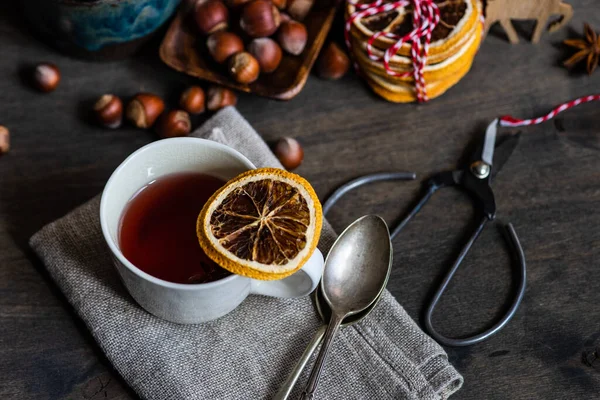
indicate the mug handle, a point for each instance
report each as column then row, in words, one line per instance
column 299, row 284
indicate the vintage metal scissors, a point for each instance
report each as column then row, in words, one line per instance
column 475, row 178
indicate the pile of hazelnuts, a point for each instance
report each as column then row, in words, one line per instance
column 255, row 44
column 144, row 110
column 147, row 110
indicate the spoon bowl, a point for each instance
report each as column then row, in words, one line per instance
column 357, row 266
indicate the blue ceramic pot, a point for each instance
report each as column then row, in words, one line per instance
column 110, row 28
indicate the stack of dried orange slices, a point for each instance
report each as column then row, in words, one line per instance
column 454, row 43
column 263, row 224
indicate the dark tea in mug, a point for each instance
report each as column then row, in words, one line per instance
column 158, row 228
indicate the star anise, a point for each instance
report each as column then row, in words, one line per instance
column 588, row 47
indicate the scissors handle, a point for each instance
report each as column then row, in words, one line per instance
column 517, row 250
column 364, row 180
column 484, row 200
column 439, row 181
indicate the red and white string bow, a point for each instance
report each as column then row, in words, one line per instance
column 426, row 16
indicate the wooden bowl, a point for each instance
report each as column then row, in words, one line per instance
column 184, row 50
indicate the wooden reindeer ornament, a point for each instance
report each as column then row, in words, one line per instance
column 504, row 10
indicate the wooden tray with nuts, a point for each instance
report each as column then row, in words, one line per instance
column 266, row 47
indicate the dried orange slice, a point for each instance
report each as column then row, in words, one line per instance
column 457, row 19
column 437, row 80
column 263, row 224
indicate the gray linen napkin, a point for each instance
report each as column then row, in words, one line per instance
column 248, row 353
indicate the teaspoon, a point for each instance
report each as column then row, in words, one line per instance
column 356, row 271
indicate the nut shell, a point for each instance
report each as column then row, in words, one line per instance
column 280, row 4
column 284, row 17
column 243, row 67
column 143, row 110
column 46, row 77
column 292, row 37
column 174, row 123
column 299, row 9
column 211, row 16
column 267, row 52
column 192, row 100
column 289, row 152
column 4, row 140
column 219, row 97
column 108, row 110
column 222, row 45
column 333, row 63
column 260, row 18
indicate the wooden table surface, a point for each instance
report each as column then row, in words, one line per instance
column 549, row 189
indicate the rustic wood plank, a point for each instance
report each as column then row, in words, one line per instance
column 549, row 189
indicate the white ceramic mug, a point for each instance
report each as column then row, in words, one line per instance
column 176, row 302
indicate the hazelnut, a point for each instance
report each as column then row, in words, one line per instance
column 267, row 52
column 333, row 63
column 173, row 124
column 292, row 37
column 243, row 67
column 289, row 152
column 222, row 45
column 260, row 18
column 46, row 77
column 144, row 109
column 280, row 4
column 298, row 9
column 4, row 140
column 192, row 100
column 211, row 16
column 109, row 111
column 283, row 17
column 219, row 97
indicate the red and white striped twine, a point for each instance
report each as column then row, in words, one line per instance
column 509, row 121
column 426, row 16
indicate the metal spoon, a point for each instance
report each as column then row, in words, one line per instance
column 325, row 314
column 356, row 272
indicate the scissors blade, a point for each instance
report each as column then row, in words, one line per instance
column 504, row 150
column 489, row 143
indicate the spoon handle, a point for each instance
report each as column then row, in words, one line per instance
column 287, row 387
column 313, row 380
